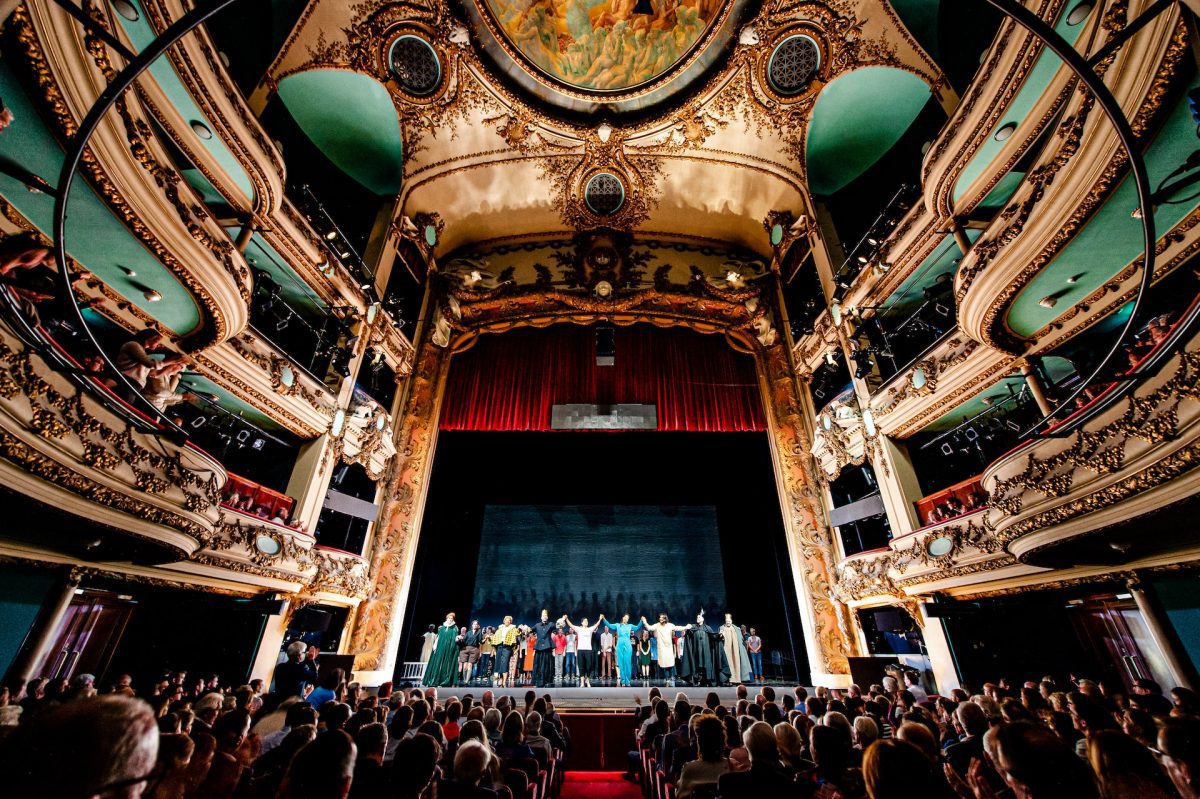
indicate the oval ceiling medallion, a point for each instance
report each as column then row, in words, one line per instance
column 793, row 64
column 604, row 193
column 629, row 55
column 415, row 64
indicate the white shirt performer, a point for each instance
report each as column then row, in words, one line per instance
column 587, row 656
column 664, row 634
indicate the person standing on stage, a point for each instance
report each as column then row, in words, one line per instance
column 560, row 652
column 570, row 666
column 443, row 663
column 486, row 651
column 504, row 639
column 644, row 654
column 754, row 645
column 587, row 656
column 527, row 655
column 430, row 637
column 624, row 649
column 543, row 651
column 664, row 632
column 735, row 652
column 606, row 653
column 468, row 657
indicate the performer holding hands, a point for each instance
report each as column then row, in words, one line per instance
column 664, row 632
column 587, row 655
column 504, row 639
column 623, row 632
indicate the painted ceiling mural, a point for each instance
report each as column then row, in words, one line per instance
column 604, row 45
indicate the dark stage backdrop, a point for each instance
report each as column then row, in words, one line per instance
column 729, row 472
column 585, row 560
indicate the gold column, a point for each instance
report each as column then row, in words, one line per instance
column 826, row 622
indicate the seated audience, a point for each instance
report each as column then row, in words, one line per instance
column 765, row 777
column 710, row 763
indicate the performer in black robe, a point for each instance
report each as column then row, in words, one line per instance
column 543, row 651
column 703, row 660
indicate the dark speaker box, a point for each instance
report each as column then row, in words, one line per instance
column 311, row 620
column 866, row 671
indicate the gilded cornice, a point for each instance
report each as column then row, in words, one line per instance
column 113, row 464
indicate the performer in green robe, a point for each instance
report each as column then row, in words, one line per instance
column 443, row 663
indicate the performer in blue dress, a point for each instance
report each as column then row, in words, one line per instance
column 622, row 633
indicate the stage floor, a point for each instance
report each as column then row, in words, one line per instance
column 605, row 698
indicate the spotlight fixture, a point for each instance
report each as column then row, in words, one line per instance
column 151, row 295
column 970, row 434
column 201, row 130
column 1005, row 131
column 258, row 443
column 1049, row 301
column 199, row 421
column 331, row 235
column 1073, row 279
column 128, row 272
column 947, row 449
column 282, row 324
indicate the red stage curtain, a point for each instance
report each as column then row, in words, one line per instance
column 510, row 381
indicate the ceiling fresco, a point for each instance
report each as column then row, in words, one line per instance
column 604, row 45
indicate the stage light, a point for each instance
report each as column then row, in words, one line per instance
column 862, row 259
column 258, row 443
column 947, row 449
column 282, row 324
column 331, row 235
column 199, row 421
column 970, row 434
column 243, row 436
column 1011, row 425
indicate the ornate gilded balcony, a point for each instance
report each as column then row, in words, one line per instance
column 66, row 447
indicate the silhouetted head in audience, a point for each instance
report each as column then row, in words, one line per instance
column 414, row 765
column 1179, row 742
column 471, row 762
column 1036, row 764
column 897, row 769
column 323, row 769
column 105, row 746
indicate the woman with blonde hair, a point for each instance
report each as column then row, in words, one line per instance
column 791, row 747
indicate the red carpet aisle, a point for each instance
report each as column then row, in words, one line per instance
column 598, row 785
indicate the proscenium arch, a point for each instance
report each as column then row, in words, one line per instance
column 827, row 638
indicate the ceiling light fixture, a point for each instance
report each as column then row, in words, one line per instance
column 1049, row 301
column 151, row 295
column 201, row 130
column 1005, row 131
column 331, row 235
column 128, row 272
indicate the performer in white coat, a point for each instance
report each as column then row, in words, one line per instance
column 735, row 652
column 664, row 634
